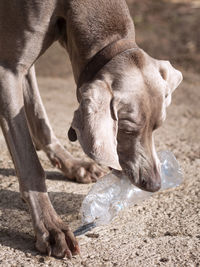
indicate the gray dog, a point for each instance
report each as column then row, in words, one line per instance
column 123, row 94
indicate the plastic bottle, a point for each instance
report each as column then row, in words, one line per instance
column 111, row 193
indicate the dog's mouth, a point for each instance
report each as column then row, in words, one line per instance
column 148, row 181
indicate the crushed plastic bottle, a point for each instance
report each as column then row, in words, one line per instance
column 171, row 173
column 112, row 194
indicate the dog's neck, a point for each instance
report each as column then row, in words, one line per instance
column 92, row 25
column 102, row 58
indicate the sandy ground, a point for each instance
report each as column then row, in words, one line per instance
column 162, row 231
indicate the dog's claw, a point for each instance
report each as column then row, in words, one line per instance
column 68, row 254
column 72, row 243
column 49, row 251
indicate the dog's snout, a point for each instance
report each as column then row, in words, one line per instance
column 155, row 179
column 153, row 184
column 147, row 179
column 149, row 182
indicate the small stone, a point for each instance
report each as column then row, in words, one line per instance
column 164, row 260
column 28, row 255
column 41, row 259
column 92, row 235
column 90, row 256
column 167, row 233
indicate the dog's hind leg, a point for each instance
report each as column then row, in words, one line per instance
column 45, row 139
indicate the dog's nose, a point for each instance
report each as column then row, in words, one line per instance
column 150, row 181
column 150, row 185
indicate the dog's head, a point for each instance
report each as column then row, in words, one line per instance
column 119, row 111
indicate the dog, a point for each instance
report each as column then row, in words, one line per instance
column 122, row 92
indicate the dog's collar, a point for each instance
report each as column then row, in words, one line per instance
column 103, row 57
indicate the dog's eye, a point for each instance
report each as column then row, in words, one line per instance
column 128, row 128
column 132, row 133
column 127, row 132
column 129, row 125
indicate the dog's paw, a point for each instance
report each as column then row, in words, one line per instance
column 86, row 172
column 81, row 171
column 57, row 241
column 53, row 237
column 74, row 169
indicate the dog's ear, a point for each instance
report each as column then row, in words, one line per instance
column 172, row 76
column 95, row 124
column 72, row 135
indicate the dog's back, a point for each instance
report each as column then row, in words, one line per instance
column 24, row 25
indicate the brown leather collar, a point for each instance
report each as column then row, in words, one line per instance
column 103, row 57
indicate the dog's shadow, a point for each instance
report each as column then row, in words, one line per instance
column 15, row 221
column 51, row 175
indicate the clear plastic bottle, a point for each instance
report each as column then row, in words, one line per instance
column 171, row 173
column 111, row 193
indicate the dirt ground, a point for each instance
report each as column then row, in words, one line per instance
column 165, row 229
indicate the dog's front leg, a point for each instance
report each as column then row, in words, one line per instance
column 52, row 235
column 45, row 139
